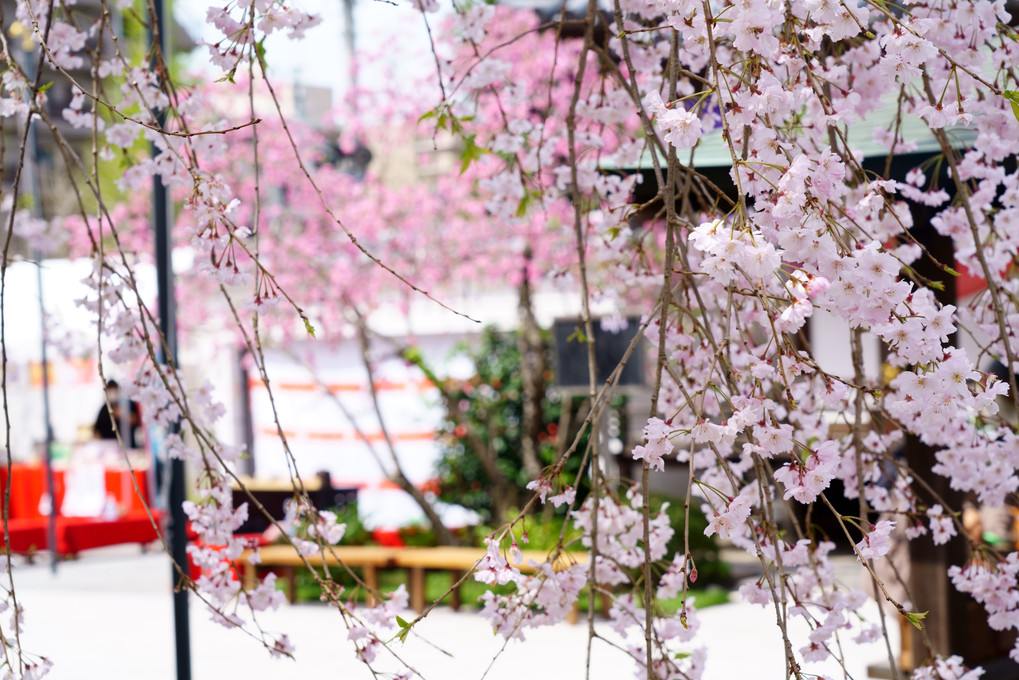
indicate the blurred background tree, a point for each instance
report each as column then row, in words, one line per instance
column 485, row 428
column 483, row 435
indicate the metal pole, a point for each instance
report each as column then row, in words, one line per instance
column 34, row 184
column 177, row 533
column 168, row 324
column 349, row 35
column 51, row 529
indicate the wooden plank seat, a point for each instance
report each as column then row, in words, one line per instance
column 458, row 560
column 285, row 558
column 417, row 561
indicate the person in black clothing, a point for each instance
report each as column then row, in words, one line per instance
column 103, row 427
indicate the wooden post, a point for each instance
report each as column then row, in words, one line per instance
column 371, row 579
column 955, row 623
column 929, row 585
column 456, row 575
column 417, row 589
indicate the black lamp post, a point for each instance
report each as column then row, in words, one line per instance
column 168, row 324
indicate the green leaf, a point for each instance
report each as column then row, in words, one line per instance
column 413, row 354
column 916, row 618
column 404, row 629
column 428, row 114
column 471, row 153
column 308, row 327
column 45, row 86
column 577, row 335
column 260, row 52
column 1013, row 97
column 948, row 270
column 937, row 285
column 525, row 200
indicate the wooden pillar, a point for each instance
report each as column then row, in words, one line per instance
column 946, row 626
column 955, row 623
column 371, row 579
column 455, row 576
column 417, row 589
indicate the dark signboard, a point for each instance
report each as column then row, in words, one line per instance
column 610, row 346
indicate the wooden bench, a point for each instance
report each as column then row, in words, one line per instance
column 457, row 561
column 416, row 561
column 285, row 558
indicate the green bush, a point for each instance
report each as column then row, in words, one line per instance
column 542, row 533
column 703, row 549
column 356, row 533
column 417, row 535
column 490, row 406
column 490, row 403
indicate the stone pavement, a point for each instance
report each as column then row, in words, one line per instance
column 108, row 615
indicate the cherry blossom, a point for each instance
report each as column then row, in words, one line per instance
column 877, row 542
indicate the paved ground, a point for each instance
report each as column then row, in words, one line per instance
column 109, row 615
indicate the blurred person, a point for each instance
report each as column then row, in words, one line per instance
column 126, row 424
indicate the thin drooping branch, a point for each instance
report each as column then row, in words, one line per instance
column 505, row 497
column 531, row 349
column 442, row 533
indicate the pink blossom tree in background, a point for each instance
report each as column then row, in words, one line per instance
column 436, row 233
column 580, row 142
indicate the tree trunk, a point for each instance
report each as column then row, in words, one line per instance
column 503, row 492
column 531, row 347
column 442, row 533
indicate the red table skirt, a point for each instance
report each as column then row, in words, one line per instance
column 28, row 528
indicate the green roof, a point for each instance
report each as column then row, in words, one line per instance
column 713, row 152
